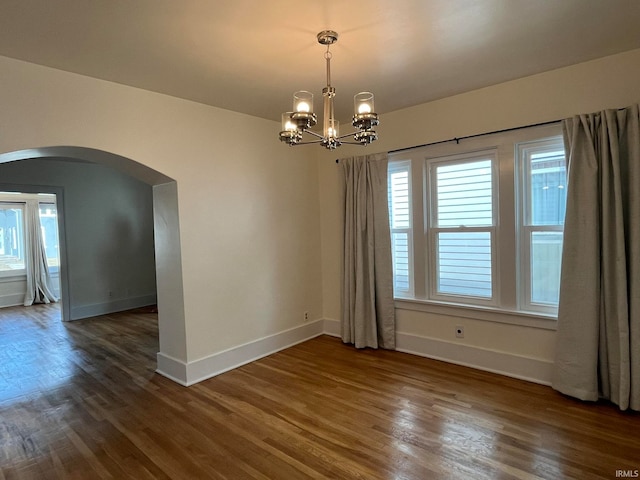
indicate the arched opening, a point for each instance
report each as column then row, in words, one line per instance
column 168, row 269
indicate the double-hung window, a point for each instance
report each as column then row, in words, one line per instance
column 542, row 183
column 48, row 214
column 13, row 224
column 479, row 224
column 400, row 222
column 461, row 226
column 11, row 238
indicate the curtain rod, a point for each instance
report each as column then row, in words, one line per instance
column 457, row 139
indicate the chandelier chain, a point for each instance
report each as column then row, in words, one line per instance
column 328, row 55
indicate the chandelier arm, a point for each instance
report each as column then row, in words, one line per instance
column 308, row 142
column 347, row 135
column 311, row 132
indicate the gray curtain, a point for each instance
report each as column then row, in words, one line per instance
column 598, row 338
column 38, row 279
column 368, row 314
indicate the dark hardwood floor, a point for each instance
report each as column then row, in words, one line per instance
column 81, row 400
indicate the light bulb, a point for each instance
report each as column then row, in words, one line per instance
column 364, row 108
column 290, row 126
column 363, row 103
column 333, row 129
column 303, row 107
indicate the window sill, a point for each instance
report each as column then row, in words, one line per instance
column 7, row 276
column 488, row 314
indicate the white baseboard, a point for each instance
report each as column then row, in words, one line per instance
column 119, row 305
column 503, row 363
column 172, row 368
column 524, row 368
column 204, row 368
column 332, row 327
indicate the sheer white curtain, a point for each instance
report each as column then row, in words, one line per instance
column 368, row 314
column 38, row 279
column 598, row 338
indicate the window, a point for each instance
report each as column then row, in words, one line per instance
column 461, row 225
column 400, row 222
column 11, row 237
column 49, row 227
column 542, row 180
column 480, row 223
column 12, row 232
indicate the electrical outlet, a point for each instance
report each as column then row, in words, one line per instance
column 459, row 331
column 306, row 316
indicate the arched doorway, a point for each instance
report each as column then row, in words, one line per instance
column 171, row 320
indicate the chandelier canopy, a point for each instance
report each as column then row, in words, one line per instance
column 300, row 121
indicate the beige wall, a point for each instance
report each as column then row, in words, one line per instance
column 248, row 207
column 259, row 223
column 610, row 82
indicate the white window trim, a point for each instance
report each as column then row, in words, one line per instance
column 401, row 166
column 505, row 278
column 9, row 276
column 12, row 202
column 476, row 312
column 524, row 150
column 19, row 199
column 432, row 230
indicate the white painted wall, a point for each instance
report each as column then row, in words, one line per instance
column 260, row 224
column 248, row 208
column 610, row 82
column 109, row 232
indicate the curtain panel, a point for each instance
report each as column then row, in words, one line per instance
column 598, row 338
column 38, row 278
column 368, row 312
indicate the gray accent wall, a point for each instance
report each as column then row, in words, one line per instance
column 108, row 223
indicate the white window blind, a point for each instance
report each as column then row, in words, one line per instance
column 460, row 224
column 464, row 193
column 401, row 226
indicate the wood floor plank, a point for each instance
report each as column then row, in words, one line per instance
column 82, row 400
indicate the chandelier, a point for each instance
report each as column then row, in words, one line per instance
column 300, row 121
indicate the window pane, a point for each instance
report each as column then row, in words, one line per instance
column 464, row 263
column 11, row 238
column 464, row 196
column 546, row 257
column 399, row 213
column 400, row 249
column 543, row 190
column 548, row 193
column 49, row 226
column 399, row 181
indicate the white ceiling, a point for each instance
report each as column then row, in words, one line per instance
column 251, row 55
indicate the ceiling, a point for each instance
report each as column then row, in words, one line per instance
column 251, row 55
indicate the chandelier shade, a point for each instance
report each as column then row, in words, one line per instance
column 300, row 121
